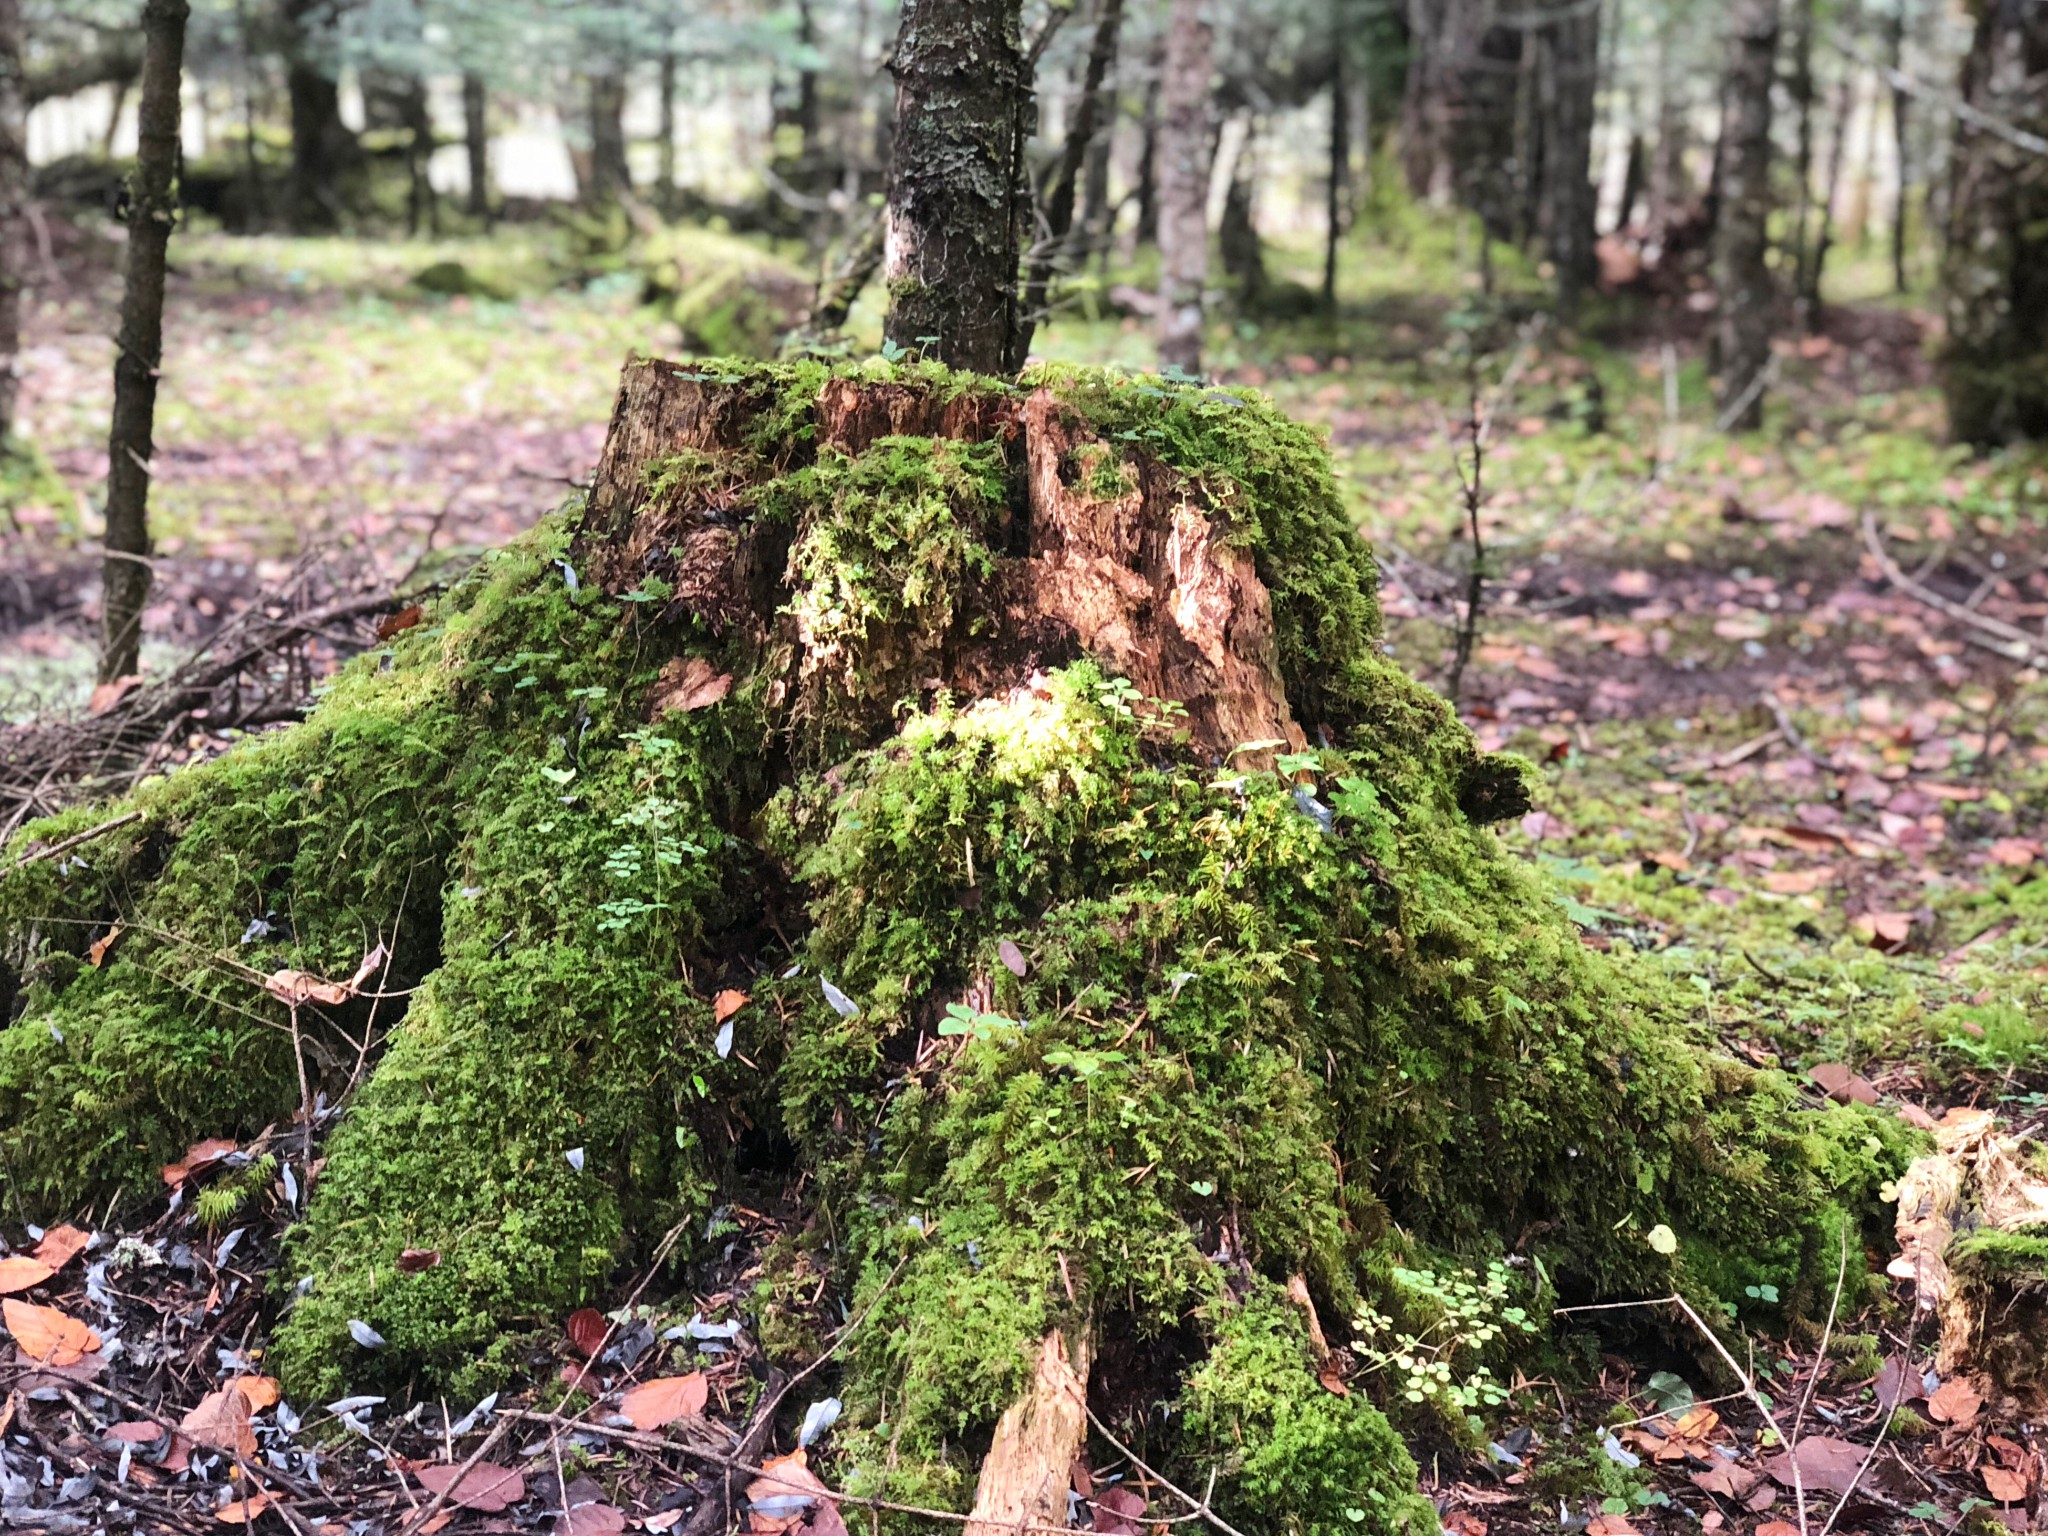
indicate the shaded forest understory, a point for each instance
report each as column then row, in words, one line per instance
column 1793, row 799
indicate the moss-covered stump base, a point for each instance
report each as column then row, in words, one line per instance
column 1124, row 958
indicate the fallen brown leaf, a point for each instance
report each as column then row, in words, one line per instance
column 665, row 1399
column 48, row 1335
column 728, row 1003
column 243, row 1511
column 221, row 1420
column 686, row 683
column 60, row 1245
column 103, row 946
column 1118, row 1509
column 261, row 1391
column 591, row 1520
column 398, row 623
column 487, row 1487
column 1843, row 1085
column 1954, row 1402
column 587, row 1329
column 20, row 1272
column 791, row 1486
column 2005, row 1486
column 108, row 694
column 1824, row 1462
column 413, row 1260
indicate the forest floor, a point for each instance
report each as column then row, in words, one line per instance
column 1790, row 775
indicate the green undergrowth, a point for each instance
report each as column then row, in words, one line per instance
column 1067, row 1026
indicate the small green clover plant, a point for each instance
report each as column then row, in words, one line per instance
column 1443, row 1363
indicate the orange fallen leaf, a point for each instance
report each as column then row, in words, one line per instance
column 1777, row 1528
column 243, row 1511
column 108, row 694
column 103, row 946
column 199, row 1156
column 399, row 622
column 261, row 1391
column 296, row 987
column 48, row 1335
column 664, row 1400
column 487, row 1487
column 728, row 1003
column 1884, row 930
column 686, row 683
column 2004, row 1486
column 1842, row 1085
column 60, row 1245
column 1798, row 882
column 1954, row 1402
column 782, row 1495
column 1333, row 1381
column 221, row 1420
column 20, row 1272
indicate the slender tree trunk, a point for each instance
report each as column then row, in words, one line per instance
column 476, row 142
column 1147, row 190
column 152, row 207
column 1184, row 147
column 1804, row 286
column 1237, row 237
column 13, row 213
column 665, row 163
column 1336, row 208
column 1741, row 241
column 1900, row 148
column 325, row 155
column 1570, row 201
column 1666, row 190
column 609, row 173
column 809, row 121
column 956, row 183
column 421, row 206
column 1054, row 252
column 1995, row 272
column 1831, row 188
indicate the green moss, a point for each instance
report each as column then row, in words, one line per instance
column 1223, row 1026
column 1301, row 1459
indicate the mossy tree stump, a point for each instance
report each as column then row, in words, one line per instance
column 1127, row 953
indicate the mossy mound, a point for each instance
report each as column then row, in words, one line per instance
column 1122, row 938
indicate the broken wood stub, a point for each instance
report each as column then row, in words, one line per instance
column 1130, row 565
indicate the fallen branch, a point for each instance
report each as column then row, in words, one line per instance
column 2008, row 640
column 75, row 840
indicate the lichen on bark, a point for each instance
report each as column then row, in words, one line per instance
column 1169, row 956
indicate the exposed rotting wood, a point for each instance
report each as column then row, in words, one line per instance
column 1024, row 1477
column 1146, row 578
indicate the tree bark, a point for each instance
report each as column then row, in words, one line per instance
column 1995, row 273
column 665, row 158
column 1054, row 250
column 1237, row 236
column 476, row 142
column 609, row 174
column 956, row 197
column 1805, row 286
column 152, row 208
column 1741, row 239
column 1900, row 148
column 1025, row 1476
column 1183, row 146
column 1147, row 190
column 13, row 213
column 1336, row 204
column 1568, row 201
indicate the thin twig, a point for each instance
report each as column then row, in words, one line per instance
column 1199, row 1506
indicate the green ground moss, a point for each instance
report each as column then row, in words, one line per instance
column 1263, row 1021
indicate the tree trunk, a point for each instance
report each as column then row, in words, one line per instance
column 325, row 155
column 1666, row 190
column 1055, row 246
column 1831, row 187
column 421, row 205
column 1570, row 199
column 1336, row 201
column 476, row 142
column 1995, row 273
column 152, row 207
column 1147, row 190
column 665, row 161
column 1900, row 148
column 1805, row 287
column 13, row 214
column 956, row 183
column 609, row 173
column 1237, row 237
column 1745, row 320
column 1183, row 148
